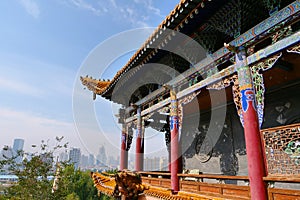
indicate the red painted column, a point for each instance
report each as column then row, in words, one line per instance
column 174, row 128
column 139, row 149
column 256, row 168
column 124, row 153
column 169, row 159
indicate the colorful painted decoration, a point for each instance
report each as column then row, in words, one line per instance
column 174, row 123
column 248, row 99
column 258, row 83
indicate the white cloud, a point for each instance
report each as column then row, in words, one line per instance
column 113, row 2
column 33, row 128
column 31, row 7
column 135, row 13
column 138, row 13
column 149, row 5
column 32, row 120
column 35, row 78
column 97, row 10
column 19, row 87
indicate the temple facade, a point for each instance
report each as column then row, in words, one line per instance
column 220, row 79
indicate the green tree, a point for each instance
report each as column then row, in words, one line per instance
column 33, row 182
column 72, row 196
column 105, row 197
column 77, row 182
column 32, row 172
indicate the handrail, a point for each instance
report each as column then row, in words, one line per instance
column 280, row 127
column 280, row 178
column 214, row 176
column 156, row 173
column 208, row 176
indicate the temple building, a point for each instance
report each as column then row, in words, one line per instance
column 220, row 79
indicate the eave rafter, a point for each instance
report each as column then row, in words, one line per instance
column 94, row 85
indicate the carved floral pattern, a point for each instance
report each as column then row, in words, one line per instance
column 258, row 83
column 295, row 49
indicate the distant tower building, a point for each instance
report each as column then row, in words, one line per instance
column 112, row 162
column 164, row 164
column 152, row 164
column 101, row 157
column 91, row 160
column 7, row 152
column 147, row 164
column 84, row 161
column 17, row 148
column 18, row 145
column 63, row 156
column 74, row 156
column 47, row 158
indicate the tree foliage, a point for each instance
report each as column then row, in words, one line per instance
column 77, row 182
column 33, row 174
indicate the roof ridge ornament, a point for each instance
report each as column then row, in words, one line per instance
column 94, row 85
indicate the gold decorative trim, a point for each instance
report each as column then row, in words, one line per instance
column 295, row 49
column 184, row 101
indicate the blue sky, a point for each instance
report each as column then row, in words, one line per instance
column 43, row 45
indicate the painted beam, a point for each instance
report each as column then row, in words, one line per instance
column 258, row 56
column 251, row 34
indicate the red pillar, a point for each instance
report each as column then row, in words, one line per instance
column 174, row 128
column 124, row 153
column 256, row 169
column 139, row 149
column 169, row 159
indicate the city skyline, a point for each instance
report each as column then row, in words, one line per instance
column 100, row 161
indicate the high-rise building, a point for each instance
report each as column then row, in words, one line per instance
column 84, row 161
column 18, row 145
column 47, row 158
column 164, row 164
column 101, row 157
column 152, row 164
column 74, row 156
column 63, row 156
column 91, row 160
column 6, row 153
column 112, row 162
column 17, row 148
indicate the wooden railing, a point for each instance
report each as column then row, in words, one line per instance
column 207, row 176
column 283, row 193
column 283, row 181
column 199, row 184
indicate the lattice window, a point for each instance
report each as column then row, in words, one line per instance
column 282, row 148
